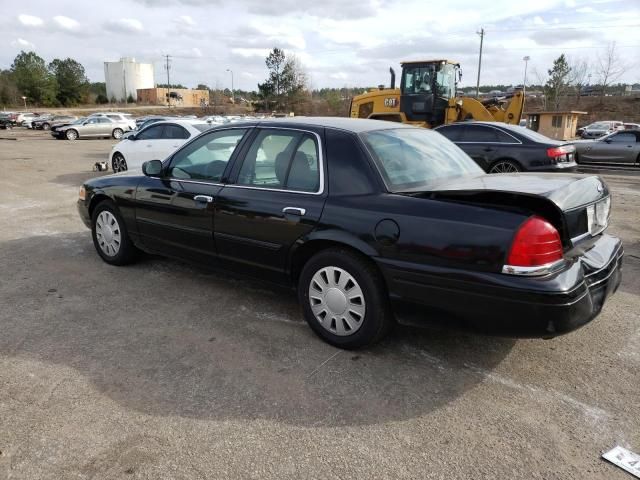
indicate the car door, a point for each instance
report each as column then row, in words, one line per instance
column 172, row 137
column 275, row 197
column 618, row 147
column 105, row 127
column 89, row 127
column 143, row 145
column 480, row 142
column 174, row 213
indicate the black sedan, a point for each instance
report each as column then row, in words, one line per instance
column 502, row 148
column 369, row 219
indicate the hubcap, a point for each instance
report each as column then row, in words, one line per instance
column 108, row 233
column 337, row 301
column 117, row 134
column 504, row 167
column 71, row 135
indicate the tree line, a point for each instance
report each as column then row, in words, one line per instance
column 62, row 82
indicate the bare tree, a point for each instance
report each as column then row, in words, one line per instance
column 540, row 80
column 609, row 67
column 578, row 75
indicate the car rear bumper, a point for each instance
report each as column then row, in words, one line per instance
column 508, row 305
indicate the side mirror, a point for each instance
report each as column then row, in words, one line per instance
column 152, row 168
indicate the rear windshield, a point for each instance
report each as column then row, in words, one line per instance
column 408, row 158
column 535, row 136
column 601, row 125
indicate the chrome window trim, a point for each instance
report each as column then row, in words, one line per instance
column 232, row 185
column 534, row 271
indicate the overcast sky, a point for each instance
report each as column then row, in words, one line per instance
column 339, row 42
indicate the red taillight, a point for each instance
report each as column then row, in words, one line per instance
column 536, row 243
column 555, row 152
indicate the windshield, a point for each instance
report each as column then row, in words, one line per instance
column 418, row 79
column 600, row 126
column 78, row 121
column 414, row 157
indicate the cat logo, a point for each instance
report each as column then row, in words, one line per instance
column 391, row 102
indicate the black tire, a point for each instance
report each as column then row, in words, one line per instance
column 504, row 166
column 71, row 135
column 118, row 163
column 46, row 126
column 126, row 252
column 117, row 133
column 378, row 318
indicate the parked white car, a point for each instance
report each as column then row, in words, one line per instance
column 155, row 142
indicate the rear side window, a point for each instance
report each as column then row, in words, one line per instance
column 282, row 159
column 175, row 132
column 350, row 172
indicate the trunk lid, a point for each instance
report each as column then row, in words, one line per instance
column 577, row 205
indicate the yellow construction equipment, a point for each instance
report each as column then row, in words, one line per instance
column 427, row 97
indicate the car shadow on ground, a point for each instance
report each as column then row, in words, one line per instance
column 162, row 338
column 77, row 179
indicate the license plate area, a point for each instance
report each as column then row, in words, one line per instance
column 598, row 216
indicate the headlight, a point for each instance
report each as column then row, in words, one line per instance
column 82, row 193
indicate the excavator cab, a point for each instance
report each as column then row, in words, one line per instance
column 426, row 88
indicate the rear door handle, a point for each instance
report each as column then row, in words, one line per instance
column 203, row 198
column 294, row 211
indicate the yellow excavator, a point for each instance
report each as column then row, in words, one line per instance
column 427, row 97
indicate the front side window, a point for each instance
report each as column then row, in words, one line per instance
column 410, row 158
column 283, row 160
column 453, row 132
column 206, row 157
column 622, row 138
column 446, row 81
column 151, row 133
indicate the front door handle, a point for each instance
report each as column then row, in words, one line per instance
column 294, row 211
column 203, row 198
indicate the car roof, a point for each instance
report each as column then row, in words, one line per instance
column 505, row 126
column 354, row 125
column 183, row 122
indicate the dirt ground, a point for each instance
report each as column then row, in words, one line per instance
column 163, row 371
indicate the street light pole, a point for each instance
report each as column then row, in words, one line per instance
column 481, row 33
column 524, row 83
column 25, row 103
column 233, row 97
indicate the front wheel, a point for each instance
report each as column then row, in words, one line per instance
column 110, row 235
column 118, row 163
column 71, row 135
column 46, row 126
column 505, row 166
column 344, row 299
column 117, row 133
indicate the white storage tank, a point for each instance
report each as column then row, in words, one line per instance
column 125, row 77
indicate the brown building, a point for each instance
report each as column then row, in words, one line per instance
column 181, row 97
column 558, row 125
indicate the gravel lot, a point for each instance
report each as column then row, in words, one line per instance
column 160, row 370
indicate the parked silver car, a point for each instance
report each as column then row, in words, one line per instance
column 622, row 147
column 92, row 127
column 599, row 129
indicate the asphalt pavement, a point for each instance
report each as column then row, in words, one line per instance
column 164, row 371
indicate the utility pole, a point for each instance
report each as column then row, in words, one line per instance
column 167, row 68
column 233, row 97
column 481, row 33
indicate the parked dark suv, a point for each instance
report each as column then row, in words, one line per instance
column 502, row 148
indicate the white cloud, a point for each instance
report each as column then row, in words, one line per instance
column 251, row 52
column 125, row 25
column 22, row 43
column 537, row 20
column 585, row 10
column 186, row 20
column 30, row 20
column 65, row 23
column 339, row 76
column 196, row 52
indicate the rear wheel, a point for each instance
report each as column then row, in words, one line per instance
column 505, row 166
column 110, row 235
column 344, row 299
column 117, row 133
column 71, row 135
column 118, row 163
